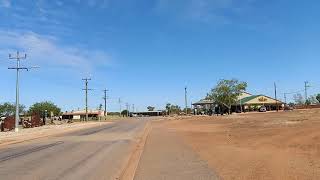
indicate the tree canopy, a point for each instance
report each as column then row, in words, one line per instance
column 298, row 99
column 173, row 109
column 318, row 97
column 226, row 92
column 125, row 112
column 8, row 109
column 41, row 107
column 150, row 108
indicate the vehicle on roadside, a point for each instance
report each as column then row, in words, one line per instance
column 262, row 109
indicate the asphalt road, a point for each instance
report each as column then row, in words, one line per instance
column 95, row 153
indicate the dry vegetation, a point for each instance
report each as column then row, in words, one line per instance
column 284, row 145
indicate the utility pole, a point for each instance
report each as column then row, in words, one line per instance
column 105, row 101
column 185, row 99
column 285, row 98
column 17, row 68
column 275, row 96
column 119, row 107
column 86, row 90
column 133, row 108
column 127, row 107
column 306, row 86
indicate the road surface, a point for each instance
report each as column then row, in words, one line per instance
column 167, row 157
column 94, row 153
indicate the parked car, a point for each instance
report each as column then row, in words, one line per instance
column 262, row 109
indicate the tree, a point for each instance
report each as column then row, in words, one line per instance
column 150, row 108
column 313, row 100
column 168, row 105
column 100, row 107
column 298, row 99
column 318, row 97
column 172, row 109
column 125, row 113
column 227, row 92
column 42, row 107
column 175, row 109
column 9, row 109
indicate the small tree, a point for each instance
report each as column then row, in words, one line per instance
column 298, row 99
column 313, row 100
column 175, row 109
column 100, row 107
column 227, row 92
column 150, row 108
column 125, row 113
column 168, row 106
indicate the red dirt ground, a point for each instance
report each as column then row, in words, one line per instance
column 283, row 145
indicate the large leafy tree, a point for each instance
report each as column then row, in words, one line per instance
column 226, row 92
column 41, row 107
column 9, row 109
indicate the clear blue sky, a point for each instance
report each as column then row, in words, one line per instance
column 147, row 51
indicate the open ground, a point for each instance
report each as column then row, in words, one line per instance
column 283, row 145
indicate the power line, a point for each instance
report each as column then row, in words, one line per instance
column 17, row 68
column 86, row 90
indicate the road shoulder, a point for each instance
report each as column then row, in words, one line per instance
column 166, row 157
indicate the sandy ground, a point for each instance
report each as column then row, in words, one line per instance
column 284, row 145
column 43, row 131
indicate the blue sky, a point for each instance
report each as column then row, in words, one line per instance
column 147, row 51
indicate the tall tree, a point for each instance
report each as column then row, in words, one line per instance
column 41, row 107
column 226, row 92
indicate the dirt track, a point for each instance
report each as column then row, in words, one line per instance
column 284, row 145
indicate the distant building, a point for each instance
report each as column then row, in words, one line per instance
column 81, row 115
column 246, row 102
